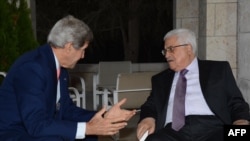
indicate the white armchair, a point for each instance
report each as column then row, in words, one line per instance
column 77, row 90
column 75, row 96
column 3, row 74
column 104, row 82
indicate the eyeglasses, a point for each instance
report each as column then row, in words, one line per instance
column 170, row 49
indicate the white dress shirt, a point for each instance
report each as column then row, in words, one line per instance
column 195, row 103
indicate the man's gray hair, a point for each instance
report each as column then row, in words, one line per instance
column 184, row 36
column 69, row 30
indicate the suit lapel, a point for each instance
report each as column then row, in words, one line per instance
column 203, row 74
column 166, row 84
column 63, row 83
column 48, row 56
column 168, row 80
column 63, row 89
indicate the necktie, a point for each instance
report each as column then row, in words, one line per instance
column 179, row 102
column 58, row 70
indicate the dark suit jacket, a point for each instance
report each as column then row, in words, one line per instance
column 28, row 99
column 218, row 86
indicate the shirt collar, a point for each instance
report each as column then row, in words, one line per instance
column 193, row 67
column 57, row 62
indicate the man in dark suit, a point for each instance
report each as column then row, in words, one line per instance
column 212, row 98
column 34, row 98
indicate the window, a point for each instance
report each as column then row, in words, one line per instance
column 123, row 29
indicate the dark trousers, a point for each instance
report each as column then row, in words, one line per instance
column 196, row 128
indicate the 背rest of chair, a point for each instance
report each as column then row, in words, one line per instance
column 135, row 87
column 104, row 82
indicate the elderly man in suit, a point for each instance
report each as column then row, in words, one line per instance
column 211, row 96
column 34, row 98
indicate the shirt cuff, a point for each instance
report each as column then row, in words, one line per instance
column 81, row 130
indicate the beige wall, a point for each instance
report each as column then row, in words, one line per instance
column 215, row 24
column 243, row 50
